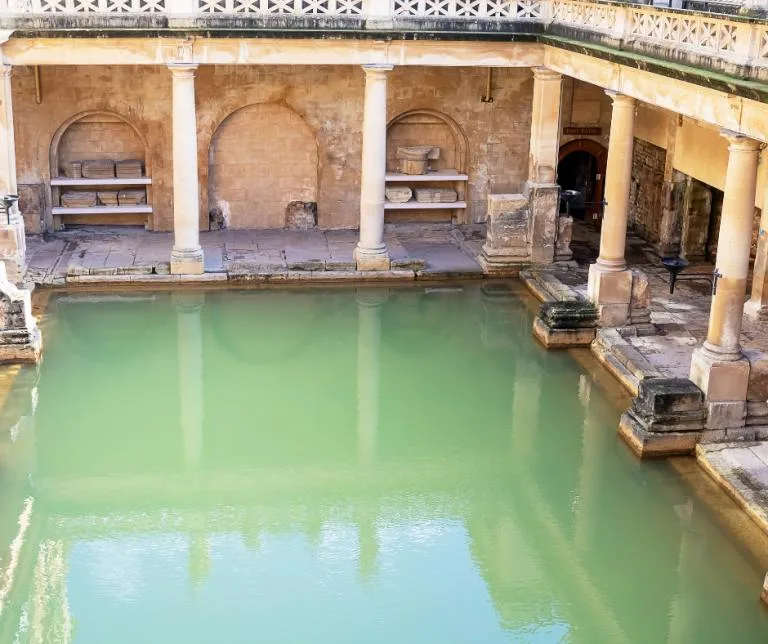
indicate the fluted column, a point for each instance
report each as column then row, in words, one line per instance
column 187, row 255
column 371, row 251
column 12, row 235
column 542, row 190
column 610, row 283
column 718, row 367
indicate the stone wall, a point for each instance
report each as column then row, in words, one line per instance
column 646, row 190
column 328, row 100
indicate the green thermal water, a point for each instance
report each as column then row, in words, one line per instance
column 341, row 466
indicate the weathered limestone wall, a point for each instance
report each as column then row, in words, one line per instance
column 302, row 142
column 585, row 106
column 645, row 197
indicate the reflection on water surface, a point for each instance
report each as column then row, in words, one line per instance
column 399, row 465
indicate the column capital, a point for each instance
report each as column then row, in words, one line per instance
column 377, row 69
column 183, row 70
column 620, row 100
column 546, row 74
column 739, row 142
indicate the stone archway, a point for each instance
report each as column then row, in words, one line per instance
column 261, row 157
column 581, row 166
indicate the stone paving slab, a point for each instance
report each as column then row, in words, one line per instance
column 102, row 253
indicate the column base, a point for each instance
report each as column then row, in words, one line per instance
column 611, row 293
column 187, row 261
column 20, row 338
column 13, row 248
column 368, row 259
column 724, row 381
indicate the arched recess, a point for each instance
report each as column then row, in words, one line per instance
column 428, row 127
column 595, row 181
column 261, row 157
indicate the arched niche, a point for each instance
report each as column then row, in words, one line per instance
column 92, row 135
column 591, row 157
column 261, row 157
column 97, row 135
column 428, row 127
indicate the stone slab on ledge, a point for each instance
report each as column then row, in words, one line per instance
column 666, row 418
column 561, row 338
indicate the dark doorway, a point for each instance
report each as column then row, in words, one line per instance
column 582, row 169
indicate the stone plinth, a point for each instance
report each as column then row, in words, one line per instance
column 543, row 204
column 564, row 237
column 565, row 324
column 20, row 339
column 611, row 292
column 506, row 244
column 666, row 417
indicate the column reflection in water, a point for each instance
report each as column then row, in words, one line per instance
column 191, row 414
column 190, row 358
column 369, row 305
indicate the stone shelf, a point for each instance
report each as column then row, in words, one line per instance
column 418, row 205
column 65, row 181
column 437, row 175
column 143, row 209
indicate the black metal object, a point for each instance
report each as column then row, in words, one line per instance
column 9, row 201
column 675, row 265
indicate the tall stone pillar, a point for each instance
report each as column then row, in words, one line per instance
column 541, row 188
column 187, row 255
column 718, row 366
column 190, row 361
column 371, row 251
column 12, row 239
column 758, row 301
column 610, row 283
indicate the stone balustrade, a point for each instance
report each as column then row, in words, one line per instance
column 729, row 43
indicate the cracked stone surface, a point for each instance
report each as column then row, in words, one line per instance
column 428, row 248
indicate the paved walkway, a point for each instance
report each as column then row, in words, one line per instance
column 91, row 254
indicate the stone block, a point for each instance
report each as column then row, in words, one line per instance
column 409, row 263
column 162, row 268
column 301, row 215
column 564, row 237
column 544, row 206
column 435, row 195
column 740, row 434
column 726, row 415
column 306, row 265
column 668, row 396
column 568, row 314
column 553, row 338
column 398, row 194
column 652, row 445
column 721, row 381
column 372, row 262
column 506, row 244
column 609, row 287
column 339, row 265
column 613, row 315
column 757, row 384
column 641, row 292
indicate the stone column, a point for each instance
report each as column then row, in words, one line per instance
column 718, row 367
column 758, row 301
column 542, row 189
column 371, row 251
column 187, row 255
column 12, row 238
column 190, row 360
column 610, row 283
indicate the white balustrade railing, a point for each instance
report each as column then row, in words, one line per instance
column 712, row 35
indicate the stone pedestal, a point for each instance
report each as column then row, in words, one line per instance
column 560, row 325
column 20, row 339
column 543, row 206
column 13, row 243
column 724, row 382
column 507, row 233
column 666, row 417
column 611, row 293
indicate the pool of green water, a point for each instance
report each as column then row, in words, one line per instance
column 341, row 466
